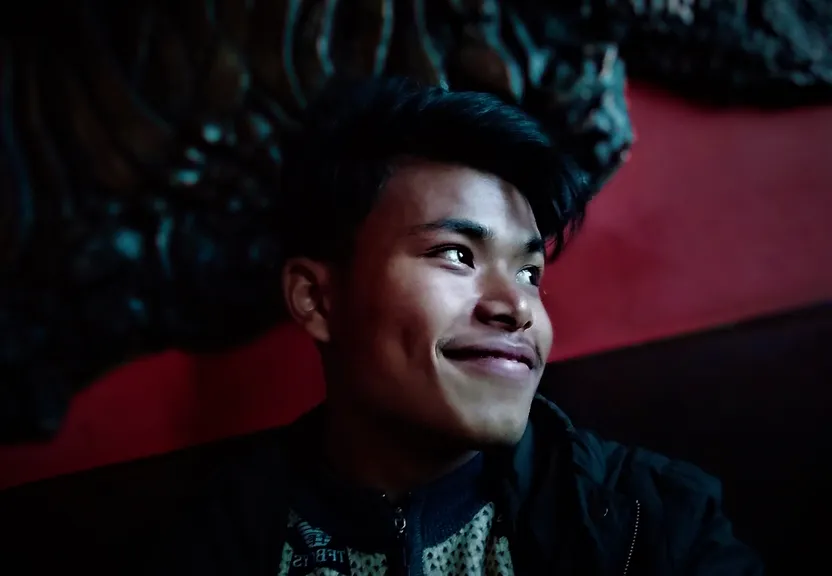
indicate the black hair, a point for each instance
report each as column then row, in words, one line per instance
column 351, row 136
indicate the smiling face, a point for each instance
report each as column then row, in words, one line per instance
column 437, row 323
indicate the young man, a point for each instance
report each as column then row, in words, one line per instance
column 419, row 224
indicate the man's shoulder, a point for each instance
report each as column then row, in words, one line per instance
column 622, row 467
column 679, row 504
column 240, row 489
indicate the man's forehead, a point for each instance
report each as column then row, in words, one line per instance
column 531, row 240
column 427, row 193
column 425, row 200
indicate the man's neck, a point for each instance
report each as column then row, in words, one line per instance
column 383, row 457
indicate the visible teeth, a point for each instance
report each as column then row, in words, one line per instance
column 504, row 358
column 464, row 354
column 499, row 357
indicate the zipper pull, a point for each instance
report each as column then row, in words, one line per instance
column 400, row 524
column 401, row 564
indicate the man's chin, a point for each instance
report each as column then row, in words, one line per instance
column 475, row 431
column 494, row 435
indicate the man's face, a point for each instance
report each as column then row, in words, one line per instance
column 437, row 323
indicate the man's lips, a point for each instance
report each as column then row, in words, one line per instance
column 520, row 352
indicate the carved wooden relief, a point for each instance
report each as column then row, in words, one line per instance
column 140, row 143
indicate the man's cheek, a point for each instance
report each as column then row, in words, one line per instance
column 546, row 332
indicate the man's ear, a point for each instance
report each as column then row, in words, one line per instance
column 307, row 289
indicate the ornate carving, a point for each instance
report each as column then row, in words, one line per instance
column 140, row 143
column 761, row 52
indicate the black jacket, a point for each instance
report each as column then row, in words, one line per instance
column 575, row 504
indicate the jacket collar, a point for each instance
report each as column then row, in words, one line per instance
column 325, row 499
column 559, row 475
column 553, row 484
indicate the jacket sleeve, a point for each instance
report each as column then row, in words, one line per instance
column 716, row 551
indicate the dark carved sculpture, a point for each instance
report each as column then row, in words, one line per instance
column 140, row 142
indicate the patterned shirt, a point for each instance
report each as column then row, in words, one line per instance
column 448, row 528
column 473, row 549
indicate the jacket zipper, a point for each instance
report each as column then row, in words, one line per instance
column 633, row 541
column 402, row 566
column 400, row 525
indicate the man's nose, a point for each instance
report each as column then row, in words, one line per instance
column 504, row 303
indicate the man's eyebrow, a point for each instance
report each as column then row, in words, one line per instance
column 462, row 226
column 476, row 232
column 536, row 245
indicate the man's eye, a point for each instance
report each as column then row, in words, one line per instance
column 530, row 275
column 457, row 255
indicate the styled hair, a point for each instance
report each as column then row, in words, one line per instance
column 340, row 159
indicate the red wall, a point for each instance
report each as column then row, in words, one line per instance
column 719, row 216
